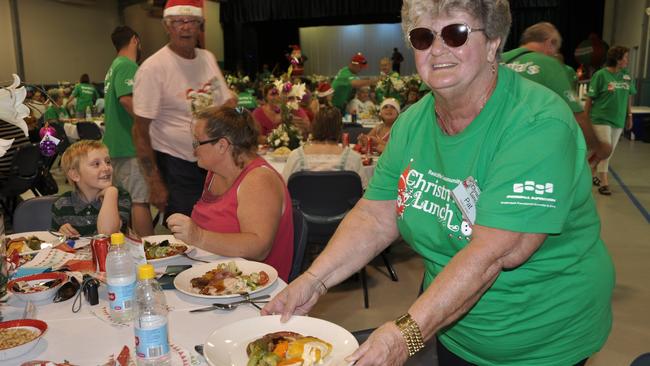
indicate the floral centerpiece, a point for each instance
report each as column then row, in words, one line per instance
column 204, row 97
column 287, row 134
column 390, row 85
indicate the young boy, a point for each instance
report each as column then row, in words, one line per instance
column 94, row 206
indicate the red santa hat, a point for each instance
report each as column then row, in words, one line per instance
column 184, row 7
column 324, row 89
column 359, row 59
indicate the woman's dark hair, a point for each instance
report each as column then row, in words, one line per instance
column 267, row 88
column 121, row 36
column 327, row 124
column 234, row 124
column 84, row 79
column 615, row 54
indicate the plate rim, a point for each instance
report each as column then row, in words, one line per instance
column 286, row 326
column 212, row 265
column 33, row 233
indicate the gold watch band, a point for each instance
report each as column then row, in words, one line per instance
column 411, row 333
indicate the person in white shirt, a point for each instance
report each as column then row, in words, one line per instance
column 361, row 105
column 162, row 130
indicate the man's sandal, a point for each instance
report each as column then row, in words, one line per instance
column 604, row 190
column 596, row 181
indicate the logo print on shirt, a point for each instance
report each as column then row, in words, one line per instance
column 404, row 193
column 531, row 186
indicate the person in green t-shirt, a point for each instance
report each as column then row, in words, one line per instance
column 486, row 178
column 534, row 60
column 83, row 97
column 346, row 80
column 610, row 107
column 118, row 119
column 56, row 111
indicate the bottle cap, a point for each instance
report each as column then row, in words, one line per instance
column 146, row 272
column 117, row 238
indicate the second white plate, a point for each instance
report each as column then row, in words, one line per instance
column 183, row 284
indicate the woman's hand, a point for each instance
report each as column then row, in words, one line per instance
column 628, row 123
column 385, row 346
column 297, row 298
column 184, row 228
column 69, row 231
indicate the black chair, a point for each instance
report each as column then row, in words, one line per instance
column 324, row 199
column 25, row 168
column 353, row 131
column 299, row 243
column 35, row 214
column 426, row 357
column 88, row 131
column 642, row 360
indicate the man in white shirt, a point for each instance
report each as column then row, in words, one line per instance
column 162, row 130
column 361, row 105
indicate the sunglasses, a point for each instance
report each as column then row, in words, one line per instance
column 453, row 35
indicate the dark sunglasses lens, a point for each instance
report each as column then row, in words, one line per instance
column 454, row 35
column 421, row 38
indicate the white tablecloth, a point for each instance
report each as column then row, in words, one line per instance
column 84, row 339
column 71, row 129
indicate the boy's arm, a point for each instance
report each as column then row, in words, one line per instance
column 108, row 220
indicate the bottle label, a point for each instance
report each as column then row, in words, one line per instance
column 120, row 297
column 152, row 342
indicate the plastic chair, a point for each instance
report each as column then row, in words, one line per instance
column 324, row 199
column 299, row 243
column 35, row 214
column 642, row 360
column 354, row 131
column 426, row 357
column 88, row 131
column 25, row 168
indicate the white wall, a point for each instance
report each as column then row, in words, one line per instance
column 61, row 41
column 628, row 23
column 153, row 36
column 8, row 58
column 330, row 48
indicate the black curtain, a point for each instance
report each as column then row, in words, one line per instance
column 260, row 31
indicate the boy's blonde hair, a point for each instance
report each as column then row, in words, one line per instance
column 74, row 153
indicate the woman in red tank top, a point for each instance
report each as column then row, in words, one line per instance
column 245, row 210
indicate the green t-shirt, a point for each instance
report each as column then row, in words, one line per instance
column 572, row 76
column 544, row 70
column 343, row 90
column 85, row 95
column 247, row 100
column 118, row 122
column 55, row 112
column 554, row 309
column 609, row 93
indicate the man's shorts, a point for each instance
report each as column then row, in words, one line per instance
column 128, row 175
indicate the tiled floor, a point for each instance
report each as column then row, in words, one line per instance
column 625, row 229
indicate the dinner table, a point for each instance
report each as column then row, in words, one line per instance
column 90, row 337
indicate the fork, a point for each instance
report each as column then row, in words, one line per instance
column 194, row 259
column 247, row 297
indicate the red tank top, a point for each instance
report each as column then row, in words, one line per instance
column 219, row 214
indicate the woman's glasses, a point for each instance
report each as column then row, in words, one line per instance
column 196, row 143
column 453, row 35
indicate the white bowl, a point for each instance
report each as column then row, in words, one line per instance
column 32, row 324
column 45, row 295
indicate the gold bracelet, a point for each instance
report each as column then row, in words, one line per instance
column 317, row 279
column 411, row 333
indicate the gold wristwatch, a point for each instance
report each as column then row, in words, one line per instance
column 411, row 333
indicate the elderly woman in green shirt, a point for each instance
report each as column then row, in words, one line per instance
column 503, row 216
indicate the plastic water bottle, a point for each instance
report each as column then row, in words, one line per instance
column 120, row 276
column 89, row 114
column 150, row 324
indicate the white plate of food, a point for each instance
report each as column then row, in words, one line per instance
column 225, row 279
column 32, row 241
column 18, row 337
column 315, row 341
column 158, row 248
